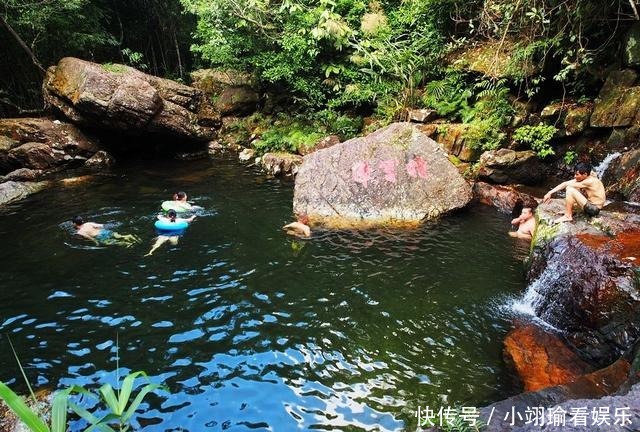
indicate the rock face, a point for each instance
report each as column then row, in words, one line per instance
column 232, row 92
column 12, row 190
column 324, row 143
column 623, row 176
column 42, row 144
column 584, row 280
column 511, row 414
column 509, row 166
column 396, row 174
column 451, row 137
column 281, row 163
column 123, row 99
column 541, row 359
column 504, row 198
column 618, row 102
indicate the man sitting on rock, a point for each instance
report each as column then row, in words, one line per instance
column 584, row 183
column 526, row 223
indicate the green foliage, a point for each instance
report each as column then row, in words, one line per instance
column 287, row 137
column 113, row 67
column 570, row 157
column 448, row 96
column 537, row 137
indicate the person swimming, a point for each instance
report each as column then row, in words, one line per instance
column 100, row 235
column 300, row 227
column 163, row 237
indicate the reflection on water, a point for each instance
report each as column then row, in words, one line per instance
column 251, row 329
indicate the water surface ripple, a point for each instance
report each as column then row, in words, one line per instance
column 251, row 329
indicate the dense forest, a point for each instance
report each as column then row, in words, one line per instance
column 340, row 55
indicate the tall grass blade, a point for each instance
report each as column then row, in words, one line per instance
column 24, row 376
column 20, row 409
column 109, row 397
column 138, row 400
column 125, row 390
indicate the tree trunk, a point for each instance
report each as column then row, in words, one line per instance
column 23, row 45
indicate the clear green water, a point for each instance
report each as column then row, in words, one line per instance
column 247, row 327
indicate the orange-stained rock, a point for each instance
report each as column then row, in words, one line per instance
column 624, row 245
column 541, row 359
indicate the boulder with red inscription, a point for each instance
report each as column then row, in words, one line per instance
column 396, row 174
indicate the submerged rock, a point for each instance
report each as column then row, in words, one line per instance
column 584, row 280
column 396, row 174
column 120, row 98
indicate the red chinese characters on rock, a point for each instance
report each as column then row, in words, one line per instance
column 361, row 172
column 417, row 167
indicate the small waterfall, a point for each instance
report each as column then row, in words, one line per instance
column 602, row 167
column 533, row 297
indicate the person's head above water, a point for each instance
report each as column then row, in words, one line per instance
column 77, row 221
column 171, row 214
column 180, row 196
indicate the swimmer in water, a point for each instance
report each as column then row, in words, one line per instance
column 100, row 235
column 299, row 228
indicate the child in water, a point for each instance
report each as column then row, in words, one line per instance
column 172, row 217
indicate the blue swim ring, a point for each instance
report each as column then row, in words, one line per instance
column 171, row 226
column 174, row 205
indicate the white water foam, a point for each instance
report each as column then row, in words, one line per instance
column 602, row 167
column 528, row 302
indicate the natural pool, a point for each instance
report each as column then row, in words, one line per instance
column 249, row 328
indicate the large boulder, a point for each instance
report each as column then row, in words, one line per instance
column 618, row 102
column 396, row 174
column 623, row 176
column 120, row 98
column 510, row 166
column 531, row 411
column 502, row 197
column 42, row 143
column 13, row 190
column 583, row 280
column 281, row 163
column 451, row 136
column 232, row 92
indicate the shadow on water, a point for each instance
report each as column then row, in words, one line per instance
column 249, row 328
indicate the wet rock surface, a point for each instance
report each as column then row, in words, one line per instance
column 519, row 413
column 42, row 144
column 396, row 174
column 503, row 198
column 15, row 190
column 584, row 280
column 541, row 359
column 123, row 99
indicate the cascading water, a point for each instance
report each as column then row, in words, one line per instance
column 602, row 167
column 530, row 302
